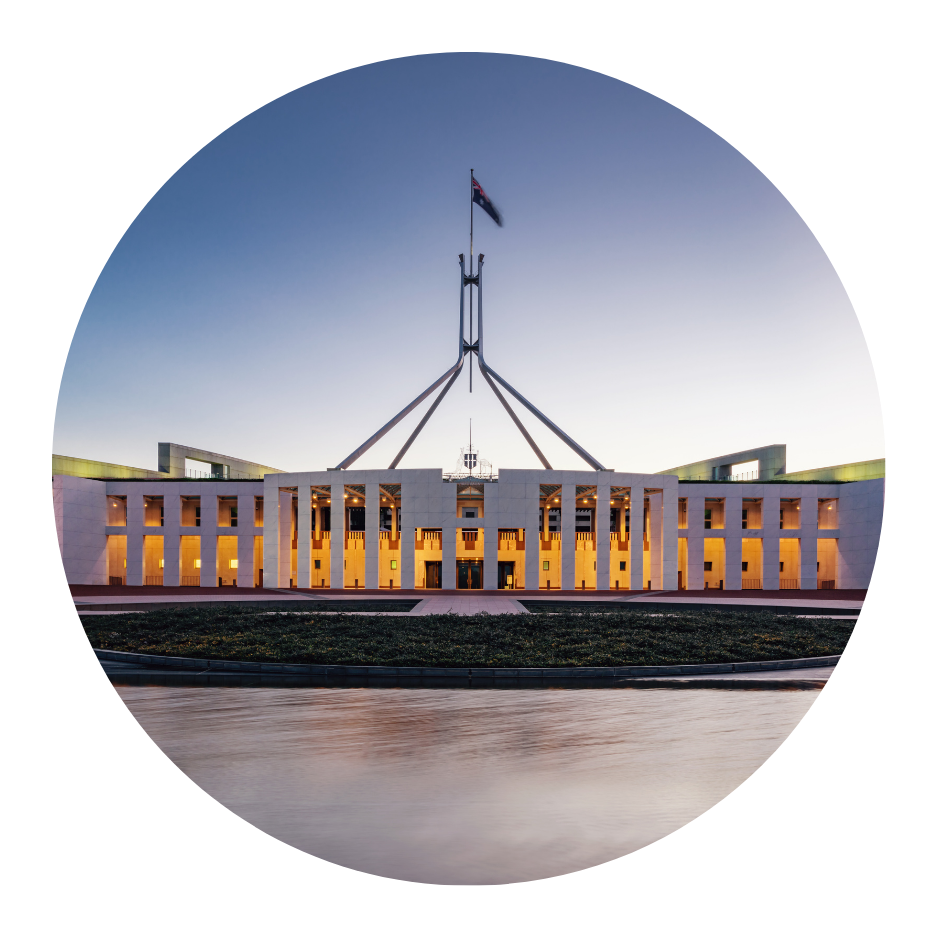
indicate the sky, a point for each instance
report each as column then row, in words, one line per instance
column 295, row 284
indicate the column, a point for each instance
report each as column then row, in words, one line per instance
column 655, row 518
column 285, row 510
column 208, row 547
column 603, row 510
column 304, row 531
column 337, row 516
column 733, row 521
column 532, row 546
column 770, row 535
column 372, row 525
column 246, row 540
column 271, row 532
column 808, row 536
column 568, row 532
column 695, row 541
column 636, row 537
column 406, row 535
column 669, row 535
column 447, row 499
column 135, row 532
column 491, row 523
column 172, row 516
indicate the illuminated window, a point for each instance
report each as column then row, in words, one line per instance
column 547, row 565
column 393, row 564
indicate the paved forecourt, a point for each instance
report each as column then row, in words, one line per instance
column 459, row 602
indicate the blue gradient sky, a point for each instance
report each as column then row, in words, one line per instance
column 295, row 284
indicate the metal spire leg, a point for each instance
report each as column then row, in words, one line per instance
column 486, row 371
column 426, row 417
column 396, row 420
column 514, row 417
column 452, row 373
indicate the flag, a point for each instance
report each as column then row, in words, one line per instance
column 485, row 203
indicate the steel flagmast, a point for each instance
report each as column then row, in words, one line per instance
column 471, row 219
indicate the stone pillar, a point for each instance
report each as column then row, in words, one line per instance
column 135, row 532
column 271, row 532
column 448, row 501
column 246, row 541
column 172, row 518
column 304, row 532
column 208, row 546
column 733, row 521
column 808, row 535
column 602, row 517
column 669, row 537
column 636, row 537
column 372, row 526
column 695, row 542
column 406, row 534
column 532, row 546
column 770, row 536
column 490, row 520
column 568, row 533
column 655, row 532
column 337, row 522
column 285, row 510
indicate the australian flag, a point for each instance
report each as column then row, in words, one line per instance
column 485, row 203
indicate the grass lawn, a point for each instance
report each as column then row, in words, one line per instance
column 593, row 639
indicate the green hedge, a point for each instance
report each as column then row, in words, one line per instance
column 561, row 640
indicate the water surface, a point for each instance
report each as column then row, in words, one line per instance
column 467, row 786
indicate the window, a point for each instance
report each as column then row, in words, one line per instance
column 745, row 566
column 547, row 565
column 469, row 513
column 317, row 564
column 621, row 564
column 198, row 516
column 234, row 515
column 393, row 564
column 708, row 565
column 708, row 518
column 745, row 521
column 781, row 566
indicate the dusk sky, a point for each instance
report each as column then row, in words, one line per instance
column 295, row 284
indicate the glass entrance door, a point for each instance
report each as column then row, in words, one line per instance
column 434, row 574
column 506, row 574
column 469, row 575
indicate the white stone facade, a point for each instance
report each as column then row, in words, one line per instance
column 245, row 527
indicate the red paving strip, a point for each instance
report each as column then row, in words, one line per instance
column 168, row 590
column 209, row 591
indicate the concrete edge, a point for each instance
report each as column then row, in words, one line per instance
column 275, row 605
column 339, row 670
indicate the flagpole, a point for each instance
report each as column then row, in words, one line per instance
column 471, row 205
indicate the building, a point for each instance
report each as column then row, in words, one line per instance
column 734, row 522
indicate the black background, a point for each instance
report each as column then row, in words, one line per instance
column 86, row 85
